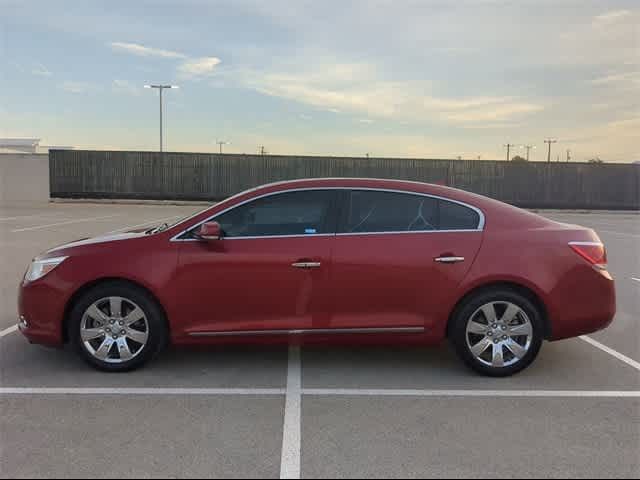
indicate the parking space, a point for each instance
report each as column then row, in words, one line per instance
column 318, row 412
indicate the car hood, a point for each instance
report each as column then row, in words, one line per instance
column 97, row 240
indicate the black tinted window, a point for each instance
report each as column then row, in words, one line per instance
column 378, row 211
column 293, row 213
column 372, row 211
column 454, row 216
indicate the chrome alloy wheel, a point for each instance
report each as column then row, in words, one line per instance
column 499, row 334
column 114, row 330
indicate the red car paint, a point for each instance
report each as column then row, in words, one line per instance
column 368, row 282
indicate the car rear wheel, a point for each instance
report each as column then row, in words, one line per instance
column 497, row 333
column 117, row 327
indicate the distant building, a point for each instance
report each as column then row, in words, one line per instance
column 26, row 145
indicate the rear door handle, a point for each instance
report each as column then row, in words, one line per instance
column 449, row 259
column 306, row 265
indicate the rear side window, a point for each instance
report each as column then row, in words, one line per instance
column 290, row 213
column 454, row 216
column 370, row 211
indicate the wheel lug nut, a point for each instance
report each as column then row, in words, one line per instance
column 121, row 323
column 115, row 337
column 490, row 334
column 112, row 322
column 122, row 332
column 496, row 341
column 108, row 330
column 504, row 337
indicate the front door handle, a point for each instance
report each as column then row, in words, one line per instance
column 451, row 259
column 306, row 265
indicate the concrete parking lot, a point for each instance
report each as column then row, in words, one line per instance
column 314, row 412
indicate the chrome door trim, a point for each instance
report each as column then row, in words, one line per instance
column 306, row 265
column 480, row 227
column 448, row 259
column 233, row 333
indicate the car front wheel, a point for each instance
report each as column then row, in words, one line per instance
column 117, row 327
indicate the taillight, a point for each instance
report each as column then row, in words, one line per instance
column 592, row 252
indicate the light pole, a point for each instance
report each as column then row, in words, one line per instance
column 221, row 143
column 528, row 147
column 161, row 88
column 549, row 141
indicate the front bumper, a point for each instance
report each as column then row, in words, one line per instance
column 41, row 309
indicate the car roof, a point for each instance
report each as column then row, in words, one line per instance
column 496, row 213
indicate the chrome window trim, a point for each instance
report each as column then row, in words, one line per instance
column 321, row 331
column 480, row 213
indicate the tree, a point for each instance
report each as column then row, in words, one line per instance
column 518, row 158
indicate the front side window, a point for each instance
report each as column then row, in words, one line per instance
column 290, row 213
column 370, row 211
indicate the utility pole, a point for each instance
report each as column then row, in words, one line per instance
column 262, row 150
column 549, row 141
column 528, row 147
column 509, row 145
column 160, row 88
column 568, row 155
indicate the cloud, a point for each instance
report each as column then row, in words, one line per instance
column 623, row 80
column 610, row 17
column 359, row 89
column 190, row 67
column 41, row 71
column 78, row 88
column 125, row 87
column 198, row 67
column 142, row 51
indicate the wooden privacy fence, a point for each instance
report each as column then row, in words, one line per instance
column 200, row 176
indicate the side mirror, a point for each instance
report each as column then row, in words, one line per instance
column 210, row 231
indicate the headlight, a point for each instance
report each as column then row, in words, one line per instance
column 39, row 268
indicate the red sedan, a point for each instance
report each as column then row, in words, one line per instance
column 327, row 261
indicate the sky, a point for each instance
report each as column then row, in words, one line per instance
column 393, row 78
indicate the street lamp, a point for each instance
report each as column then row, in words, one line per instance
column 161, row 88
column 528, row 147
column 221, row 143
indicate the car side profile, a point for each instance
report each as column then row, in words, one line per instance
column 327, row 261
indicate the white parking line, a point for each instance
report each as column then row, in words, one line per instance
column 291, row 438
column 140, row 391
column 40, row 227
column 473, row 393
column 9, row 330
column 6, row 219
column 150, row 222
column 290, row 459
column 612, row 352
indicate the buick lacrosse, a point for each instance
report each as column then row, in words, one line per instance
column 349, row 261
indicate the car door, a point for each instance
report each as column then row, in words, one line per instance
column 269, row 271
column 398, row 259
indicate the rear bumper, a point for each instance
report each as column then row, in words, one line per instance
column 583, row 302
column 41, row 311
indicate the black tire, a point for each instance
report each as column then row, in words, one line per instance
column 463, row 315
column 157, row 325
